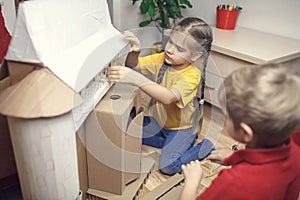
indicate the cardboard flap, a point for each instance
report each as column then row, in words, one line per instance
column 39, row 94
column 74, row 39
column 3, row 70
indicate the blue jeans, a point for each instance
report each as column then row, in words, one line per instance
column 177, row 145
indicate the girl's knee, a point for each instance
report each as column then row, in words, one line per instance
column 170, row 169
column 167, row 171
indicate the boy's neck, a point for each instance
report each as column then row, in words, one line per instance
column 255, row 146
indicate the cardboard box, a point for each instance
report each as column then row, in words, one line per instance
column 131, row 190
column 56, row 51
column 114, row 140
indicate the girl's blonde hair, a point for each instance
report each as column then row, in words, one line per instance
column 267, row 99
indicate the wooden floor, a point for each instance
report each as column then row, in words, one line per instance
column 212, row 128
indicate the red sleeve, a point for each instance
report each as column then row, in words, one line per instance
column 227, row 184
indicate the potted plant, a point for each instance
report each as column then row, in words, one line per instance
column 163, row 13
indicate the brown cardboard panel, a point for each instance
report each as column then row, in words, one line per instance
column 113, row 127
column 116, row 166
column 3, row 70
column 133, row 148
column 39, row 94
column 100, row 150
column 131, row 190
column 165, row 187
column 4, row 83
column 173, row 194
column 19, row 70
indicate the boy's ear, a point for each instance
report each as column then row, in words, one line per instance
column 196, row 56
column 247, row 132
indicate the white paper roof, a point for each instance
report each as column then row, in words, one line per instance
column 73, row 38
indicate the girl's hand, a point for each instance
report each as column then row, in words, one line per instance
column 133, row 40
column 118, row 74
column 124, row 74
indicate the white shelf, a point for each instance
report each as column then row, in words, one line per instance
column 255, row 46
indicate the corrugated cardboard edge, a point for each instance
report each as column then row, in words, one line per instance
column 4, row 83
column 19, row 70
column 39, row 94
column 164, row 188
column 173, row 194
column 132, row 189
column 3, row 70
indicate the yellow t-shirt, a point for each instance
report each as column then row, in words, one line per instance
column 177, row 115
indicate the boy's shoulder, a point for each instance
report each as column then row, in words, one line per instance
column 265, row 162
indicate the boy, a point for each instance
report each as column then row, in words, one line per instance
column 262, row 110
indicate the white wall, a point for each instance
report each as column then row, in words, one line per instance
column 281, row 17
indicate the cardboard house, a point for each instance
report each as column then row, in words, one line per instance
column 8, row 170
column 56, row 60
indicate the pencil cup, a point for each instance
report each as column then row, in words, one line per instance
column 226, row 19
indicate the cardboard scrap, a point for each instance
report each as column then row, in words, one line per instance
column 40, row 94
column 131, row 190
column 164, row 188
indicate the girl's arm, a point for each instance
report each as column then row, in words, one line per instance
column 132, row 59
column 126, row 75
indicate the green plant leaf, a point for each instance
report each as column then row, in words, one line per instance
column 163, row 12
column 165, row 18
column 186, row 2
column 144, row 6
column 163, row 25
column 170, row 10
column 175, row 2
column 144, row 23
column 151, row 10
column 133, row 1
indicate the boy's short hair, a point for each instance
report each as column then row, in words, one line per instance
column 267, row 99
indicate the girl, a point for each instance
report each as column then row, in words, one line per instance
column 172, row 82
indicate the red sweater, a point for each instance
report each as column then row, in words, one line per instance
column 4, row 37
column 259, row 174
